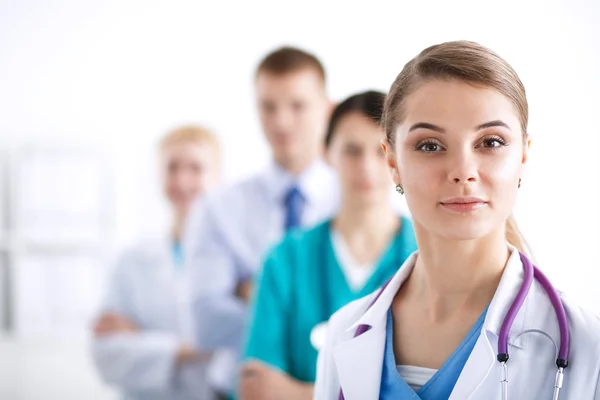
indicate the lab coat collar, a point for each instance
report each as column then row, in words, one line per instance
column 368, row 347
column 509, row 285
column 361, row 356
column 511, row 280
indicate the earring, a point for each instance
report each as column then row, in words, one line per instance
column 399, row 189
column 519, row 186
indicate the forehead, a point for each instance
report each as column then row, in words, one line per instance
column 185, row 150
column 303, row 82
column 355, row 126
column 453, row 104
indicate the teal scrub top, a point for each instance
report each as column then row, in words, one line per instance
column 302, row 285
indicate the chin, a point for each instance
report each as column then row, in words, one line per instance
column 362, row 196
column 467, row 231
column 464, row 229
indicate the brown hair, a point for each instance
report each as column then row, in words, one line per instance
column 193, row 134
column 285, row 60
column 468, row 62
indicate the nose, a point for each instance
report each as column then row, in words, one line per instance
column 368, row 163
column 463, row 167
column 282, row 118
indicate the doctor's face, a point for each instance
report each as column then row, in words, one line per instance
column 459, row 154
column 189, row 169
column 356, row 155
column 293, row 109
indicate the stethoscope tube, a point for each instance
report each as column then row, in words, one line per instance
column 531, row 272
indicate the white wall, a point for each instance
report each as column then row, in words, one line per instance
column 117, row 74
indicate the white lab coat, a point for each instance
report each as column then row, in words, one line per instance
column 147, row 288
column 534, row 339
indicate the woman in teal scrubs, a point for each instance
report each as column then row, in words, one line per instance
column 312, row 273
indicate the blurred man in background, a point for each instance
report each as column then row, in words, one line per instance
column 142, row 339
column 230, row 233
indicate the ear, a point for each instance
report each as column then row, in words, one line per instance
column 327, row 157
column 390, row 158
column 526, row 147
column 330, row 107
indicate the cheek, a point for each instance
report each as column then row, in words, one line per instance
column 267, row 122
column 171, row 191
column 502, row 174
column 345, row 169
column 306, row 121
column 420, row 175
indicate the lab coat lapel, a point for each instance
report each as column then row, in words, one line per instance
column 476, row 370
column 359, row 363
column 483, row 357
column 359, row 360
column 169, row 290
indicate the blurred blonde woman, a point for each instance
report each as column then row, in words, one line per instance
column 141, row 336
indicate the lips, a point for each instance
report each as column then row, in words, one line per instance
column 464, row 204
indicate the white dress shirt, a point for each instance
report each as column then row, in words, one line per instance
column 227, row 236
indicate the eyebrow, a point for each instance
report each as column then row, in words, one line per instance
column 426, row 125
column 492, row 124
column 432, row 127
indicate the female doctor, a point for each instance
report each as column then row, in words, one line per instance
column 314, row 272
column 466, row 311
column 141, row 340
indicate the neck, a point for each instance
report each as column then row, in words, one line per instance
column 297, row 165
column 456, row 275
column 369, row 219
column 366, row 229
column 177, row 227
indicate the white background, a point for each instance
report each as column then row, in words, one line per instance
column 115, row 75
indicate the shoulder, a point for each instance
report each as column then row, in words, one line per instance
column 584, row 329
column 407, row 230
column 299, row 242
column 303, row 237
column 584, row 349
column 234, row 194
column 584, row 325
column 223, row 209
column 405, row 223
column 141, row 255
column 405, row 241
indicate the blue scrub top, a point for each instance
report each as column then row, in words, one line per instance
column 441, row 384
column 302, row 285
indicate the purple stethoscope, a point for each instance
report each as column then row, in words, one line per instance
column 531, row 272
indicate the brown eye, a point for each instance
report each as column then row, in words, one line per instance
column 493, row 143
column 429, row 147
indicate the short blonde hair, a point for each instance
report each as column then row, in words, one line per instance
column 193, row 134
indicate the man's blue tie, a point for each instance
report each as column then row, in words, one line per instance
column 294, row 206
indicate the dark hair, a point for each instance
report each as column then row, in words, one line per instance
column 290, row 59
column 369, row 104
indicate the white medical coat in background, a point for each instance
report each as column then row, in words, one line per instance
column 150, row 290
column 534, row 339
